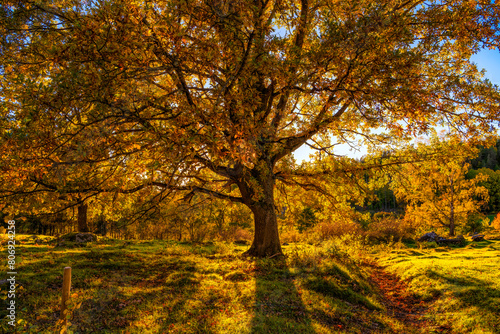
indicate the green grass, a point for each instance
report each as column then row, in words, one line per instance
column 462, row 285
column 169, row 287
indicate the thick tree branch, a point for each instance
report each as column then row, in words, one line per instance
column 290, row 144
column 95, row 190
column 295, row 58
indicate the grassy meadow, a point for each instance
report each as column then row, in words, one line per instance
column 461, row 285
column 169, row 287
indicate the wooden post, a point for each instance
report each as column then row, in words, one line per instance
column 65, row 290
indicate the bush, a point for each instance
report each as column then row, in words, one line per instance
column 350, row 247
column 496, row 222
column 305, row 256
column 234, row 233
column 330, row 229
column 387, row 228
column 476, row 223
column 383, row 215
column 291, row 236
column 242, row 234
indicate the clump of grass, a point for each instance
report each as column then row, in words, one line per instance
column 337, row 290
column 305, row 256
column 237, row 276
column 427, row 244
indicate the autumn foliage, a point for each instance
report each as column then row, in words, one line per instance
column 116, row 98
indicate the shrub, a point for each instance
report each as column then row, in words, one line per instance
column 291, row 236
column 496, row 222
column 348, row 246
column 383, row 215
column 330, row 229
column 388, row 228
column 234, row 233
column 242, row 234
column 476, row 223
column 305, row 256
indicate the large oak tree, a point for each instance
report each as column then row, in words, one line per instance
column 212, row 96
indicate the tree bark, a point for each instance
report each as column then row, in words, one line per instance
column 452, row 208
column 82, row 218
column 452, row 229
column 266, row 242
column 101, row 225
column 258, row 193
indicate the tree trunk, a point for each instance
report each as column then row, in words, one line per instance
column 259, row 197
column 266, row 242
column 101, row 225
column 82, row 218
column 452, row 207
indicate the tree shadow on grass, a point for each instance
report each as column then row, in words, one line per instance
column 474, row 292
column 165, row 291
column 120, row 291
column 477, row 294
column 278, row 306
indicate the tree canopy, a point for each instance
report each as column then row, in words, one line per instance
column 196, row 96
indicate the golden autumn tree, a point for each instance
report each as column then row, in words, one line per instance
column 211, row 96
column 436, row 189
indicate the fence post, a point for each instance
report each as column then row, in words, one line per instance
column 65, row 291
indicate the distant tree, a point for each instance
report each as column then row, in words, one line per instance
column 491, row 159
column 488, row 157
column 475, row 223
column 307, row 219
column 491, row 181
column 436, row 189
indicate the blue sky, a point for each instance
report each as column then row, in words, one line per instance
column 490, row 61
column 486, row 59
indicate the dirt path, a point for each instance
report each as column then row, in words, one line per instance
column 401, row 304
